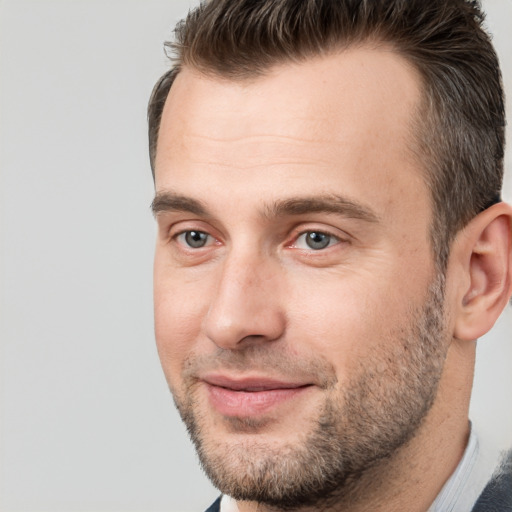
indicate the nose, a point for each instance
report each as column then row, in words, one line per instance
column 246, row 307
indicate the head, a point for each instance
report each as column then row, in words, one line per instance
column 315, row 165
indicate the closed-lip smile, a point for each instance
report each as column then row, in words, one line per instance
column 250, row 396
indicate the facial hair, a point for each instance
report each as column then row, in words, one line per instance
column 364, row 424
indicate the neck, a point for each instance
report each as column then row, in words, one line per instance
column 414, row 476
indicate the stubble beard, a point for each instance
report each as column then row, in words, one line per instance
column 377, row 414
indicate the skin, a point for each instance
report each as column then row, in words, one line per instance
column 235, row 161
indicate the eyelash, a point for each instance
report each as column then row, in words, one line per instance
column 311, row 237
column 183, row 235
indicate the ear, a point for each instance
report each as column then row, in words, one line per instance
column 484, row 250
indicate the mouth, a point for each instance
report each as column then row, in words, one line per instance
column 250, row 397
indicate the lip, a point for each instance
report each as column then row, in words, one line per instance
column 249, row 397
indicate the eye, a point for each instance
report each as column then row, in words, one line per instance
column 193, row 239
column 315, row 240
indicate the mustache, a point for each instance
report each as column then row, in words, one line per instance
column 264, row 361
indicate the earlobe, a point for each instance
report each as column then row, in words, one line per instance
column 486, row 250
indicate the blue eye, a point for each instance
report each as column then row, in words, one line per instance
column 315, row 240
column 194, row 239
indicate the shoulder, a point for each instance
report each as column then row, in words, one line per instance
column 215, row 507
column 497, row 494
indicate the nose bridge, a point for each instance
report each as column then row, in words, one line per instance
column 246, row 302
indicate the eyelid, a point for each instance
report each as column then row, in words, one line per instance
column 182, row 227
column 210, row 240
column 333, row 240
column 302, row 229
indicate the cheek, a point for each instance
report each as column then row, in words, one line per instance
column 346, row 321
column 178, row 318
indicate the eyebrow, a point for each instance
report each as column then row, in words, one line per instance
column 170, row 202
column 332, row 203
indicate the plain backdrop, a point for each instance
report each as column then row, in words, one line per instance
column 87, row 422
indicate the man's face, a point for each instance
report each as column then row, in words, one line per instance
column 298, row 315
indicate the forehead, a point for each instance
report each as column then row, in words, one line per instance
column 345, row 117
column 363, row 82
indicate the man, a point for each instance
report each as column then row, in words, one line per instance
column 331, row 243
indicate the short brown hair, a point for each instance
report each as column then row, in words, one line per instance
column 460, row 130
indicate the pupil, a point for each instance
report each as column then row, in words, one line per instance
column 195, row 239
column 317, row 240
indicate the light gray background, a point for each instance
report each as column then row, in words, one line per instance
column 87, row 423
